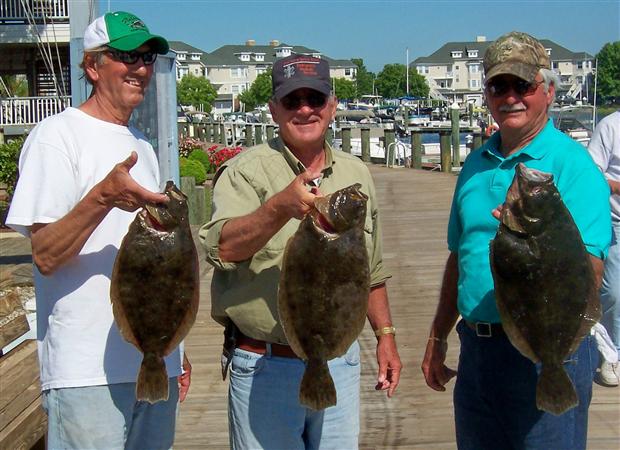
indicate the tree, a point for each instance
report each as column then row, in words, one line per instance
column 196, row 92
column 392, row 82
column 13, row 86
column 259, row 93
column 608, row 70
column 344, row 89
column 363, row 78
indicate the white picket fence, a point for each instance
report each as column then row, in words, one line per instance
column 30, row 110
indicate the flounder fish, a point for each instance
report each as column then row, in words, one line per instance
column 154, row 288
column 545, row 287
column 324, row 288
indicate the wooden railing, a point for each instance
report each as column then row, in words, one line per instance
column 14, row 11
column 30, row 110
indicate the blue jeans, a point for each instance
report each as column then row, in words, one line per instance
column 495, row 397
column 610, row 289
column 109, row 417
column 264, row 410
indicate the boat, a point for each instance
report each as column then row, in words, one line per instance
column 575, row 121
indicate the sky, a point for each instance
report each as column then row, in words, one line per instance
column 378, row 31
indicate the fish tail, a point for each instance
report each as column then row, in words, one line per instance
column 317, row 390
column 152, row 384
column 555, row 392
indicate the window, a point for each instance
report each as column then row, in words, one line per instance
column 181, row 56
column 259, row 56
column 422, row 70
column 456, row 54
column 347, row 72
column 474, row 68
column 548, row 50
column 472, row 53
column 579, row 64
column 474, row 84
column 554, row 64
column 237, row 72
column 244, row 56
column 195, row 56
column 181, row 72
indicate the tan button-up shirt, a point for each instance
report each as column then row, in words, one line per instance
column 247, row 291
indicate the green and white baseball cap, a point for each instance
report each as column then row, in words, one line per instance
column 122, row 31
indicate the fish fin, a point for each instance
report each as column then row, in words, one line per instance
column 120, row 317
column 152, row 384
column 317, row 390
column 555, row 392
column 514, row 334
column 591, row 315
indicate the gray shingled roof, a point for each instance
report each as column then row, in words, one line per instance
column 228, row 55
column 444, row 54
column 177, row 46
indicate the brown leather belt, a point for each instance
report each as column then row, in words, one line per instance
column 486, row 329
column 255, row 346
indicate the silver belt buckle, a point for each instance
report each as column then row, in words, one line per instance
column 483, row 329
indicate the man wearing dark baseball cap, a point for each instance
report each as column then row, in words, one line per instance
column 496, row 402
column 259, row 198
column 84, row 173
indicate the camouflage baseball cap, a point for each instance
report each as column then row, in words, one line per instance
column 515, row 53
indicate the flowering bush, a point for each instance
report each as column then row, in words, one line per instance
column 219, row 157
column 187, row 145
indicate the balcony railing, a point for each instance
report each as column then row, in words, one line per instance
column 30, row 110
column 38, row 10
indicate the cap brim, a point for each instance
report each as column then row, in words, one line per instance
column 157, row 43
column 293, row 85
column 526, row 72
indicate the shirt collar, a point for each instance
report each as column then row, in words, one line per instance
column 295, row 164
column 536, row 149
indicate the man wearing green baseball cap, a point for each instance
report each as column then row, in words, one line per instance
column 83, row 175
column 496, row 404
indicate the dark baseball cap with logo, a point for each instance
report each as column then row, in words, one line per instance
column 300, row 71
column 515, row 53
column 122, row 31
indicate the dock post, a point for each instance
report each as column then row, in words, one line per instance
column 216, row 133
column 470, row 110
column 258, row 133
column 444, row 146
column 477, row 140
column 209, row 133
column 329, row 137
column 346, row 139
column 223, row 137
column 365, row 144
column 456, row 135
column 249, row 142
column 416, row 149
column 269, row 132
column 389, row 139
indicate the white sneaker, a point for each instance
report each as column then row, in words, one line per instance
column 608, row 374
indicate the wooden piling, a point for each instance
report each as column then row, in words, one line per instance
column 456, row 136
column 444, row 146
column 346, row 139
column 416, row 149
column 365, row 132
column 270, row 132
column 258, row 133
column 389, row 142
column 223, row 137
column 249, row 140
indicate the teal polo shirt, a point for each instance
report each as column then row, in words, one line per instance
column 482, row 186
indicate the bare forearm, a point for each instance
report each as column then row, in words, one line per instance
column 56, row 243
column 614, row 186
column 243, row 236
column 447, row 311
column 378, row 307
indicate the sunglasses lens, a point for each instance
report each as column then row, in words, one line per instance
column 313, row 99
column 149, row 58
column 499, row 87
column 132, row 57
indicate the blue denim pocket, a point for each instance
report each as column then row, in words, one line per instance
column 245, row 364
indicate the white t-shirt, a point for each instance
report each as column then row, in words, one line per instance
column 605, row 150
column 62, row 159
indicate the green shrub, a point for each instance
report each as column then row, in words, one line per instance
column 192, row 168
column 9, row 157
column 203, row 158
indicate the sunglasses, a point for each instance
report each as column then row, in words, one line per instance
column 313, row 99
column 499, row 86
column 132, row 57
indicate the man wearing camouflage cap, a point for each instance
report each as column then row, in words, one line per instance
column 495, row 391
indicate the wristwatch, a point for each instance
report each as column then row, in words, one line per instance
column 385, row 330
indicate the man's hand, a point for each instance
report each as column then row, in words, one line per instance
column 295, row 200
column 435, row 371
column 389, row 364
column 185, row 379
column 119, row 190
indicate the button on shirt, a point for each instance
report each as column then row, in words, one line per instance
column 482, row 186
column 246, row 292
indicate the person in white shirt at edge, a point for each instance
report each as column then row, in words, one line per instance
column 605, row 151
column 83, row 175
